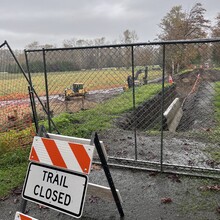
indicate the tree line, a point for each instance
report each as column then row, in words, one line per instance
column 177, row 24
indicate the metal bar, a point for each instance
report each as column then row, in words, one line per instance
column 156, row 170
column 28, row 68
column 153, row 163
column 23, row 72
column 23, row 205
column 20, row 67
column 47, row 91
column 35, row 111
column 162, row 109
column 2, row 45
column 187, row 41
column 41, row 133
column 108, row 174
column 134, row 105
column 31, row 95
column 33, row 107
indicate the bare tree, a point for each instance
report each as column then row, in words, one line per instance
column 74, row 42
column 36, row 45
column 33, row 45
column 129, row 37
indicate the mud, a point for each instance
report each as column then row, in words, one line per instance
column 176, row 149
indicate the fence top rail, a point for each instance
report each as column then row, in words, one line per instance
column 3, row 44
column 189, row 41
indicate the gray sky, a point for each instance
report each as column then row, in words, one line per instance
column 52, row 21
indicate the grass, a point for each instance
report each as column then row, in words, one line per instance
column 217, row 101
column 196, row 200
column 9, row 141
column 214, row 135
column 93, row 79
column 13, row 166
column 13, row 159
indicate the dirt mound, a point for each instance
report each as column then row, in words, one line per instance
column 148, row 114
column 197, row 91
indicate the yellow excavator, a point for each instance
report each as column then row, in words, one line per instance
column 76, row 90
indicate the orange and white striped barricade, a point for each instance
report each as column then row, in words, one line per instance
column 57, row 175
column 63, row 154
column 21, row 216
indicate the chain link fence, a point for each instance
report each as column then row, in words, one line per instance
column 15, row 115
column 152, row 104
column 195, row 140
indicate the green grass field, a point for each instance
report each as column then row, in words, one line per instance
column 58, row 81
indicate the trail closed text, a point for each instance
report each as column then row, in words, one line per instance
column 49, row 193
column 58, row 189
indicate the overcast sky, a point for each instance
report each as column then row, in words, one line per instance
column 52, row 21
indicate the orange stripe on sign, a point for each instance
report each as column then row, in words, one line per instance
column 33, row 155
column 54, row 153
column 81, row 156
column 22, row 217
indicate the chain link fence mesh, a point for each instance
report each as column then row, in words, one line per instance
column 195, row 71
column 15, row 115
column 124, row 91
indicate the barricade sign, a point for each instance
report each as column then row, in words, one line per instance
column 21, row 216
column 57, row 176
column 56, row 188
column 64, row 154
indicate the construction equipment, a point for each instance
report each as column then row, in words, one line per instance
column 136, row 82
column 76, row 90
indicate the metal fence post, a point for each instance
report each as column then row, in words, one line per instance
column 47, row 91
column 28, row 68
column 33, row 108
column 31, row 94
column 134, row 106
column 162, row 108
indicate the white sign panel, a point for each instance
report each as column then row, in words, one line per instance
column 62, row 190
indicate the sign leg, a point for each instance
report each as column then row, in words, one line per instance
column 108, row 175
column 23, row 205
column 41, row 132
